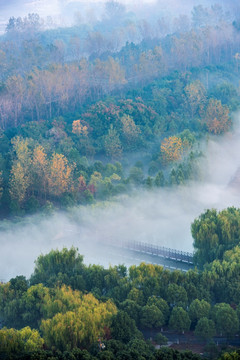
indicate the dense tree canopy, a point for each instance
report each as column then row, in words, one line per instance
column 145, row 297
column 57, row 266
column 214, row 233
column 95, row 110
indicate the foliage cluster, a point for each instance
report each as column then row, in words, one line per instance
column 61, row 114
column 56, row 162
column 214, row 233
column 75, row 306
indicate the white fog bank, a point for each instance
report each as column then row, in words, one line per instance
column 160, row 217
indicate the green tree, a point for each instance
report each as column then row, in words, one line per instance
column 19, row 284
column 152, row 317
column 95, row 278
column 11, row 301
column 159, row 180
column 149, row 182
column 176, row 295
column 65, row 266
column 132, row 309
column 205, row 328
column 198, row 309
column 131, row 132
column 136, row 175
column 123, row 328
column 179, row 319
column 226, row 319
column 139, row 348
column 166, row 353
column 112, row 144
column 136, row 295
column 233, row 355
column 160, row 339
column 214, row 233
column 224, row 92
column 161, row 304
column 32, row 303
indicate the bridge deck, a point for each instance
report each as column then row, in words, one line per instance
column 167, row 253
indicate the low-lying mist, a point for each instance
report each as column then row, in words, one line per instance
column 160, row 217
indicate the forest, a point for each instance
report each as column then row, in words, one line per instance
column 110, row 106
column 68, row 310
column 84, row 118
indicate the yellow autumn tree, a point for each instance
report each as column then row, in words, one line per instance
column 19, row 183
column 79, row 129
column 21, row 150
column 60, row 175
column 20, row 173
column 80, row 327
column 14, row 341
column 171, row 149
column 40, row 169
column 63, row 299
column 96, row 178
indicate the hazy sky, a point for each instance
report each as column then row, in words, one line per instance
column 54, row 8
column 62, row 11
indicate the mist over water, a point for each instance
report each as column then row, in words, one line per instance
column 160, row 217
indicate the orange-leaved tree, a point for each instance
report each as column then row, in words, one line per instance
column 60, row 175
column 171, row 149
column 217, row 117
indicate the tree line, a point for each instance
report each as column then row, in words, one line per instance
column 67, row 305
column 41, row 81
column 55, row 162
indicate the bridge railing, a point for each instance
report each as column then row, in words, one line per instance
column 168, row 253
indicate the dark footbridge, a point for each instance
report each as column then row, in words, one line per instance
column 171, row 259
column 166, row 253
